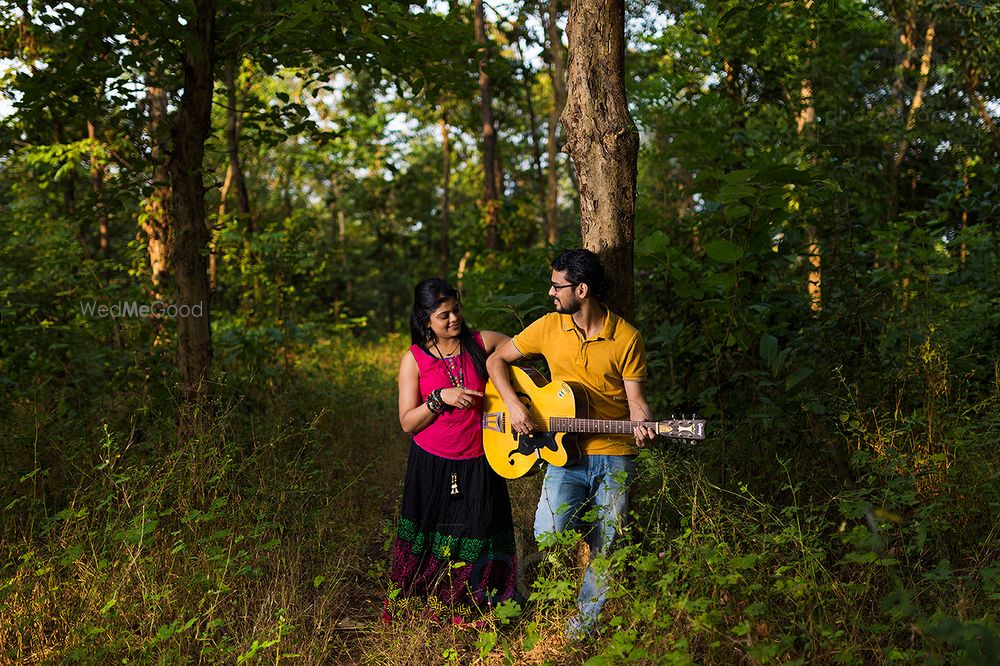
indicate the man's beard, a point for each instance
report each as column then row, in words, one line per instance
column 570, row 309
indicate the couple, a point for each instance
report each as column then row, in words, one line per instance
column 455, row 538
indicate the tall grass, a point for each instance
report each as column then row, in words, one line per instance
column 265, row 539
column 258, row 539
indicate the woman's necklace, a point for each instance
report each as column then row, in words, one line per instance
column 453, row 365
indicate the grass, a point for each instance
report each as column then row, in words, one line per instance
column 264, row 540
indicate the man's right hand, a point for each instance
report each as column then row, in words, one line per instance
column 520, row 419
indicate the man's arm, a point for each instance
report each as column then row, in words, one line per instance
column 498, row 365
column 638, row 410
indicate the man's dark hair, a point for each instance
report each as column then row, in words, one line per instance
column 583, row 267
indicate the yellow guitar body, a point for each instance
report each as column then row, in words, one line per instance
column 512, row 456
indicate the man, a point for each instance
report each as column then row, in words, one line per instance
column 584, row 342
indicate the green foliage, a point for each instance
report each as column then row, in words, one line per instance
column 186, row 552
column 841, row 511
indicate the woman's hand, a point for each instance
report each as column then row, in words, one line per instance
column 462, row 398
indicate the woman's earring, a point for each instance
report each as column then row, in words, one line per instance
column 428, row 333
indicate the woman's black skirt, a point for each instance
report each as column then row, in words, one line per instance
column 456, row 537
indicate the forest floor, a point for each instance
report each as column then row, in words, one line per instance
column 369, row 509
column 265, row 539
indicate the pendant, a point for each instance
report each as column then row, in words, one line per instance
column 454, row 484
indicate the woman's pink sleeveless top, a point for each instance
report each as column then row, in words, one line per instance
column 456, row 433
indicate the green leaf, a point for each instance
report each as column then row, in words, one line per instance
column 655, row 243
column 736, row 191
column 723, row 251
column 797, row 377
column 725, row 280
column 737, row 211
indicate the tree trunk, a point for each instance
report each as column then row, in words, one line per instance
column 806, row 117
column 536, row 148
column 907, row 34
column 445, row 195
column 918, row 97
column 69, row 192
column 491, row 200
column 156, row 222
column 603, row 141
column 557, row 73
column 191, row 129
column 234, row 172
column 97, row 184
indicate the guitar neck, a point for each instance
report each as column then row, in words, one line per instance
column 597, row 426
column 675, row 428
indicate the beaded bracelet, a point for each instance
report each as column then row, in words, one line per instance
column 435, row 403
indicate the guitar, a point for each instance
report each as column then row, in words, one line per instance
column 556, row 404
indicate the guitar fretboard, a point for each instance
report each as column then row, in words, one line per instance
column 597, row 426
column 674, row 428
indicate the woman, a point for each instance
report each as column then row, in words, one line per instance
column 455, row 538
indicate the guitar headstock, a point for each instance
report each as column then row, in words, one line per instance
column 681, row 428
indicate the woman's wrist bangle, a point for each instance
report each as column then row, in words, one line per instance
column 435, row 403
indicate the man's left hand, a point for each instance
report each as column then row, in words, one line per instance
column 643, row 434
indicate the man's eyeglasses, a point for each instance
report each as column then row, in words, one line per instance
column 557, row 287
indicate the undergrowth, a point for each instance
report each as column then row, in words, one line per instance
column 249, row 542
column 265, row 540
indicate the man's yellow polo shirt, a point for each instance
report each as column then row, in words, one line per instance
column 601, row 365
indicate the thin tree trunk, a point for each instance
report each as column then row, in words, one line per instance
column 806, row 117
column 234, row 173
column 491, row 199
column 918, row 97
column 892, row 206
column 906, row 37
column 529, row 104
column 445, row 248
column 980, row 107
column 191, row 129
column 498, row 172
column 97, row 184
column 963, row 250
column 603, row 141
column 69, row 192
column 536, row 148
column 557, row 72
column 156, row 222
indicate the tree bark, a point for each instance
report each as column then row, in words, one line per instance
column 907, row 33
column 156, row 222
column 918, row 97
column 491, row 200
column 234, row 172
column 536, row 149
column 445, row 241
column 805, row 118
column 97, row 185
column 190, row 131
column 557, row 73
column 603, row 141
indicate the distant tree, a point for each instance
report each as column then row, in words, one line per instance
column 491, row 198
column 557, row 73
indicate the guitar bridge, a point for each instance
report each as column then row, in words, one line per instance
column 494, row 421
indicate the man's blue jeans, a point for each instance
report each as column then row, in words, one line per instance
column 568, row 494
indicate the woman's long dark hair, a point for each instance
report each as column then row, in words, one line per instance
column 428, row 295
